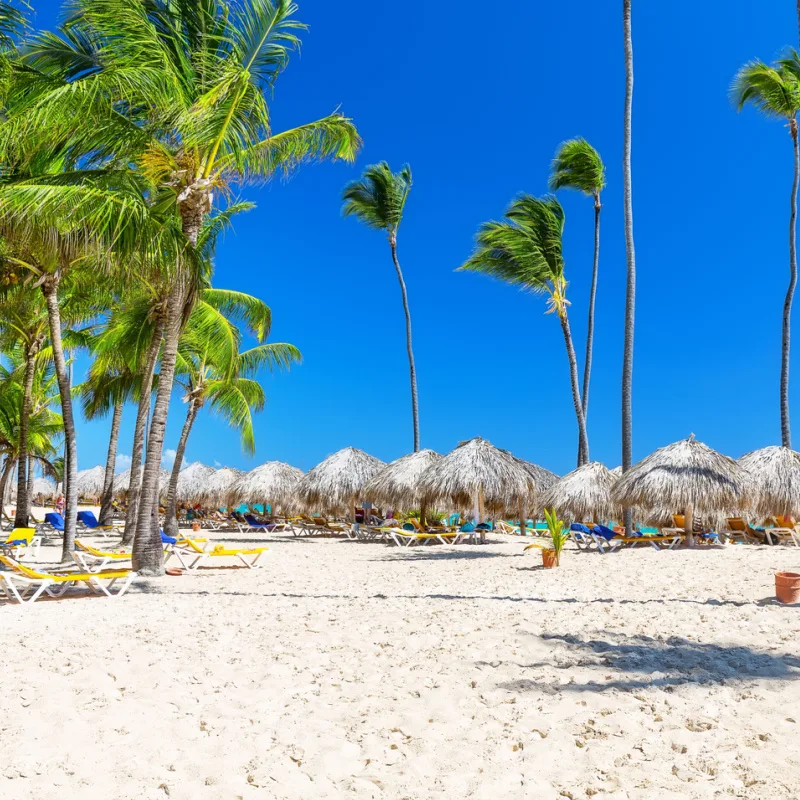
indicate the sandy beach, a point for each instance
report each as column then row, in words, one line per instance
column 345, row 669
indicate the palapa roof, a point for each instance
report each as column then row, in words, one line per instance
column 584, row 494
column 774, row 477
column 397, row 483
column 338, row 481
column 219, row 485
column 475, row 466
column 91, row 481
column 122, row 482
column 682, row 474
column 273, row 482
column 43, row 488
column 192, row 480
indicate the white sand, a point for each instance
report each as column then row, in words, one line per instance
column 346, row 669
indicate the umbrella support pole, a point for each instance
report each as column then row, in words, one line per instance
column 688, row 520
column 481, row 513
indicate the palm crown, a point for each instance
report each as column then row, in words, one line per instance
column 577, row 165
column 526, row 248
column 773, row 90
column 379, row 197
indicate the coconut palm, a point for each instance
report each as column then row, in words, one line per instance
column 177, row 91
column 775, row 91
column 378, row 200
column 577, row 165
column 630, row 254
column 526, row 250
column 212, row 371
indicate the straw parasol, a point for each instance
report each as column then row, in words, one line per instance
column 774, row 476
column 339, row 480
column 191, row 482
column 477, row 473
column 273, row 482
column 687, row 476
column 219, row 485
column 397, row 484
column 90, row 482
column 584, row 494
column 44, row 488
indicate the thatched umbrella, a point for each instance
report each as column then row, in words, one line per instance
column 90, row 482
column 397, row 484
column 44, row 488
column 192, row 482
column 339, row 480
column 545, row 480
column 686, row 476
column 774, row 476
column 273, row 482
column 478, row 473
column 584, row 493
column 218, row 487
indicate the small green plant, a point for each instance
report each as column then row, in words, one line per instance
column 558, row 535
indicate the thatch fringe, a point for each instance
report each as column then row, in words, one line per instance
column 774, row 476
column 584, row 494
column 397, row 484
column 336, row 483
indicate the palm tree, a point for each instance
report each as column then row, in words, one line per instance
column 630, row 253
column 378, row 200
column 212, row 371
column 526, row 250
column 578, row 165
column 775, row 91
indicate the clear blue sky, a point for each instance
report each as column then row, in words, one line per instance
column 477, row 100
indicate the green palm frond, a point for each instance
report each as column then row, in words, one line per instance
column 240, row 307
column 526, row 249
column 13, row 23
column 379, row 197
column 577, row 165
column 276, row 355
column 773, row 90
column 235, row 402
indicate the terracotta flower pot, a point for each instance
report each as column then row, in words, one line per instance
column 787, row 587
column 549, row 559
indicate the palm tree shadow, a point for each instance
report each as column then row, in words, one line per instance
column 652, row 662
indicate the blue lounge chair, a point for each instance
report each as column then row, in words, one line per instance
column 53, row 521
column 87, row 520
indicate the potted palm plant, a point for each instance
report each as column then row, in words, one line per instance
column 551, row 550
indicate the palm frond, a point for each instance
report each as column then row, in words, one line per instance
column 577, row 165
column 379, row 197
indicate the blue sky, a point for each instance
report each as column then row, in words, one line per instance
column 477, row 102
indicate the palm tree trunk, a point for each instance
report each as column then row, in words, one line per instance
column 21, row 517
column 139, row 430
column 8, row 465
column 147, row 548
column 30, row 486
column 106, row 509
column 50, row 291
column 630, row 293
column 171, row 520
column 587, row 368
column 786, row 430
column 576, row 392
column 411, row 366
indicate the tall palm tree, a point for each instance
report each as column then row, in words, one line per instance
column 526, row 250
column 775, row 91
column 577, row 165
column 378, row 200
column 630, row 254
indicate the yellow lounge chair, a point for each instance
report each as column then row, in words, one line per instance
column 93, row 560
column 18, row 542
column 782, row 533
column 403, row 538
column 192, row 555
column 56, row 584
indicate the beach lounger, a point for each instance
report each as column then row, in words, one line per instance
column 192, row 554
column 88, row 521
column 20, row 541
column 53, row 521
column 403, row 538
column 93, row 560
column 26, row 585
column 610, row 544
column 781, row 534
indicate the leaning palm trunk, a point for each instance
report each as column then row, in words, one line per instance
column 630, row 292
column 134, row 486
column 583, row 458
column 20, row 517
column 786, row 431
column 171, row 520
column 411, row 366
column 8, row 465
column 576, row 392
column 50, row 291
column 147, row 548
column 106, row 509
